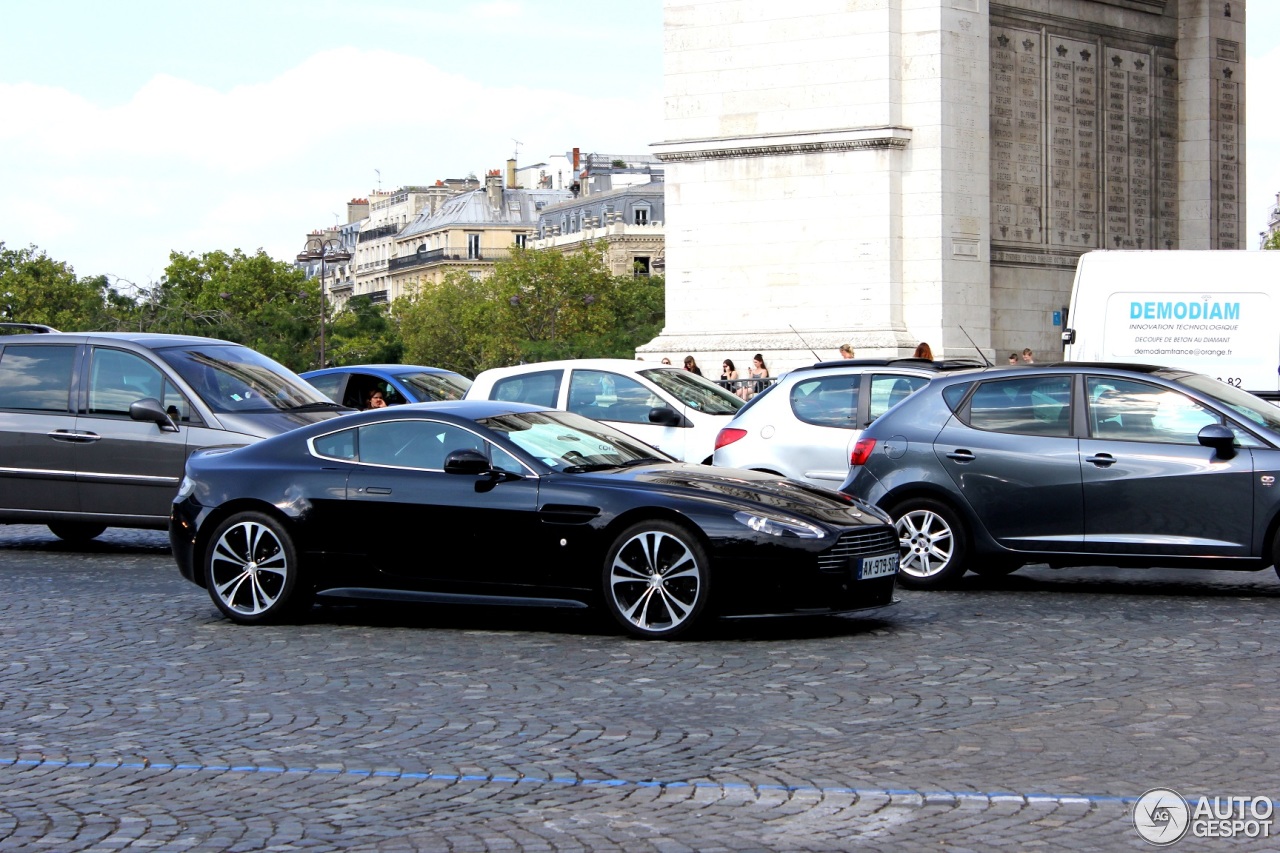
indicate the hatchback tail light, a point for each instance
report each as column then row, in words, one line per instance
column 862, row 451
column 728, row 436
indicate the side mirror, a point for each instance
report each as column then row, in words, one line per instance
column 1220, row 438
column 149, row 410
column 466, row 462
column 665, row 416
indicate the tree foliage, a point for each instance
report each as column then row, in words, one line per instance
column 537, row 306
column 1272, row 241
column 34, row 288
column 250, row 299
column 363, row 333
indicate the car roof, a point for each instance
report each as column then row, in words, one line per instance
column 862, row 364
column 620, row 365
column 383, row 368
column 150, row 340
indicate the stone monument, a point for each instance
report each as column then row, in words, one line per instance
column 882, row 172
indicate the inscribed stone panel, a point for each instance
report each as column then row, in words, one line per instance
column 1017, row 135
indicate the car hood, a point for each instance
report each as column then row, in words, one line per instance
column 265, row 424
column 748, row 488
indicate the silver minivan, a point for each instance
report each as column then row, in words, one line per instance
column 96, row 427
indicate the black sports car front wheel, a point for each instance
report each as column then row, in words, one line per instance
column 251, row 570
column 656, row 580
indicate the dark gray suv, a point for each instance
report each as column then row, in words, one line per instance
column 1074, row 464
column 95, row 427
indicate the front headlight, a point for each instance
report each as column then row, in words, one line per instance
column 779, row 525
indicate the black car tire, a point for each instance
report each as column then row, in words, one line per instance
column 251, row 570
column 76, row 532
column 933, row 544
column 656, row 580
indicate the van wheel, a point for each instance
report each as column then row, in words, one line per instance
column 76, row 532
column 933, row 544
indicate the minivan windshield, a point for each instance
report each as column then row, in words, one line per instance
column 235, row 379
column 694, row 391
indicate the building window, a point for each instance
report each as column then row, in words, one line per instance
column 641, row 265
column 522, row 240
column 473, row 246
column 642, row 216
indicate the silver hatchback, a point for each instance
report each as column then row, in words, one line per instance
column 804, row 425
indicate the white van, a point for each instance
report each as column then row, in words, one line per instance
column 678, row 412
column 1212, row 312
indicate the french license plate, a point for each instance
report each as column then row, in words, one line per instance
column 877, row 567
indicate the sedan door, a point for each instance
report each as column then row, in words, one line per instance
column 1016, row 463
column 1150, row 487
column 453, row 532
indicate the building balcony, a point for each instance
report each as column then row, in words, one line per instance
column 424, row 258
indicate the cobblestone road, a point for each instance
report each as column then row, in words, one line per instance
column 1015, row 714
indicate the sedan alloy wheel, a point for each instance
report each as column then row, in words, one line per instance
column 656, row 580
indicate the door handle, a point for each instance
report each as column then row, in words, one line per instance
column 961, row 455
column 74, row 437
column 1102, row 460
column 377, row 490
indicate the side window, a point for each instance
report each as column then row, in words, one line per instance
column 36, row 377
column 414, row 444
column 338, row 445
column 538, row 389
column 888, row 391
column 1137, row 411
column 330, row 385
column 118, row 379
column 610, row 397
column 1035, row 405
column 827, row 401
column 504, row 461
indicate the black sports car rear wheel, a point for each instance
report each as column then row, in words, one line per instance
column 251, row 570
column 932, row 544
column 656, row 580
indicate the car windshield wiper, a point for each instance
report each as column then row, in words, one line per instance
column 320, row 406
column 644, row 460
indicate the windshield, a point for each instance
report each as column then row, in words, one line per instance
column 1251, row 409
column 694, row 391
column 236, row 379
column 429, row 387
column 568, row 442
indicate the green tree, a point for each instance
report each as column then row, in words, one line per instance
column 363, row 333
column 1272, row 241
column 540, row 305
column 250, row 299
column 34, row 288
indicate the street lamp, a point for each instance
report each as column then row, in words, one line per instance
column 326, row 252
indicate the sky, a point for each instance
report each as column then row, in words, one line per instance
column 132, row 129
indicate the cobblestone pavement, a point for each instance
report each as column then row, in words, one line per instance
column 1021, row 713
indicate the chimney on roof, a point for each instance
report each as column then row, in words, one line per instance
column 511, row 173
column 357, row 209
column 493, row 188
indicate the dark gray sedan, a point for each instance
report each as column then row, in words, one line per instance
column 1074, row 464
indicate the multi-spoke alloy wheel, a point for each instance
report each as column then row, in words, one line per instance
column 932, row 544
column 251, row 569
column 656, row 580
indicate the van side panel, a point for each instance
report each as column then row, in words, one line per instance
column 1212, row 312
